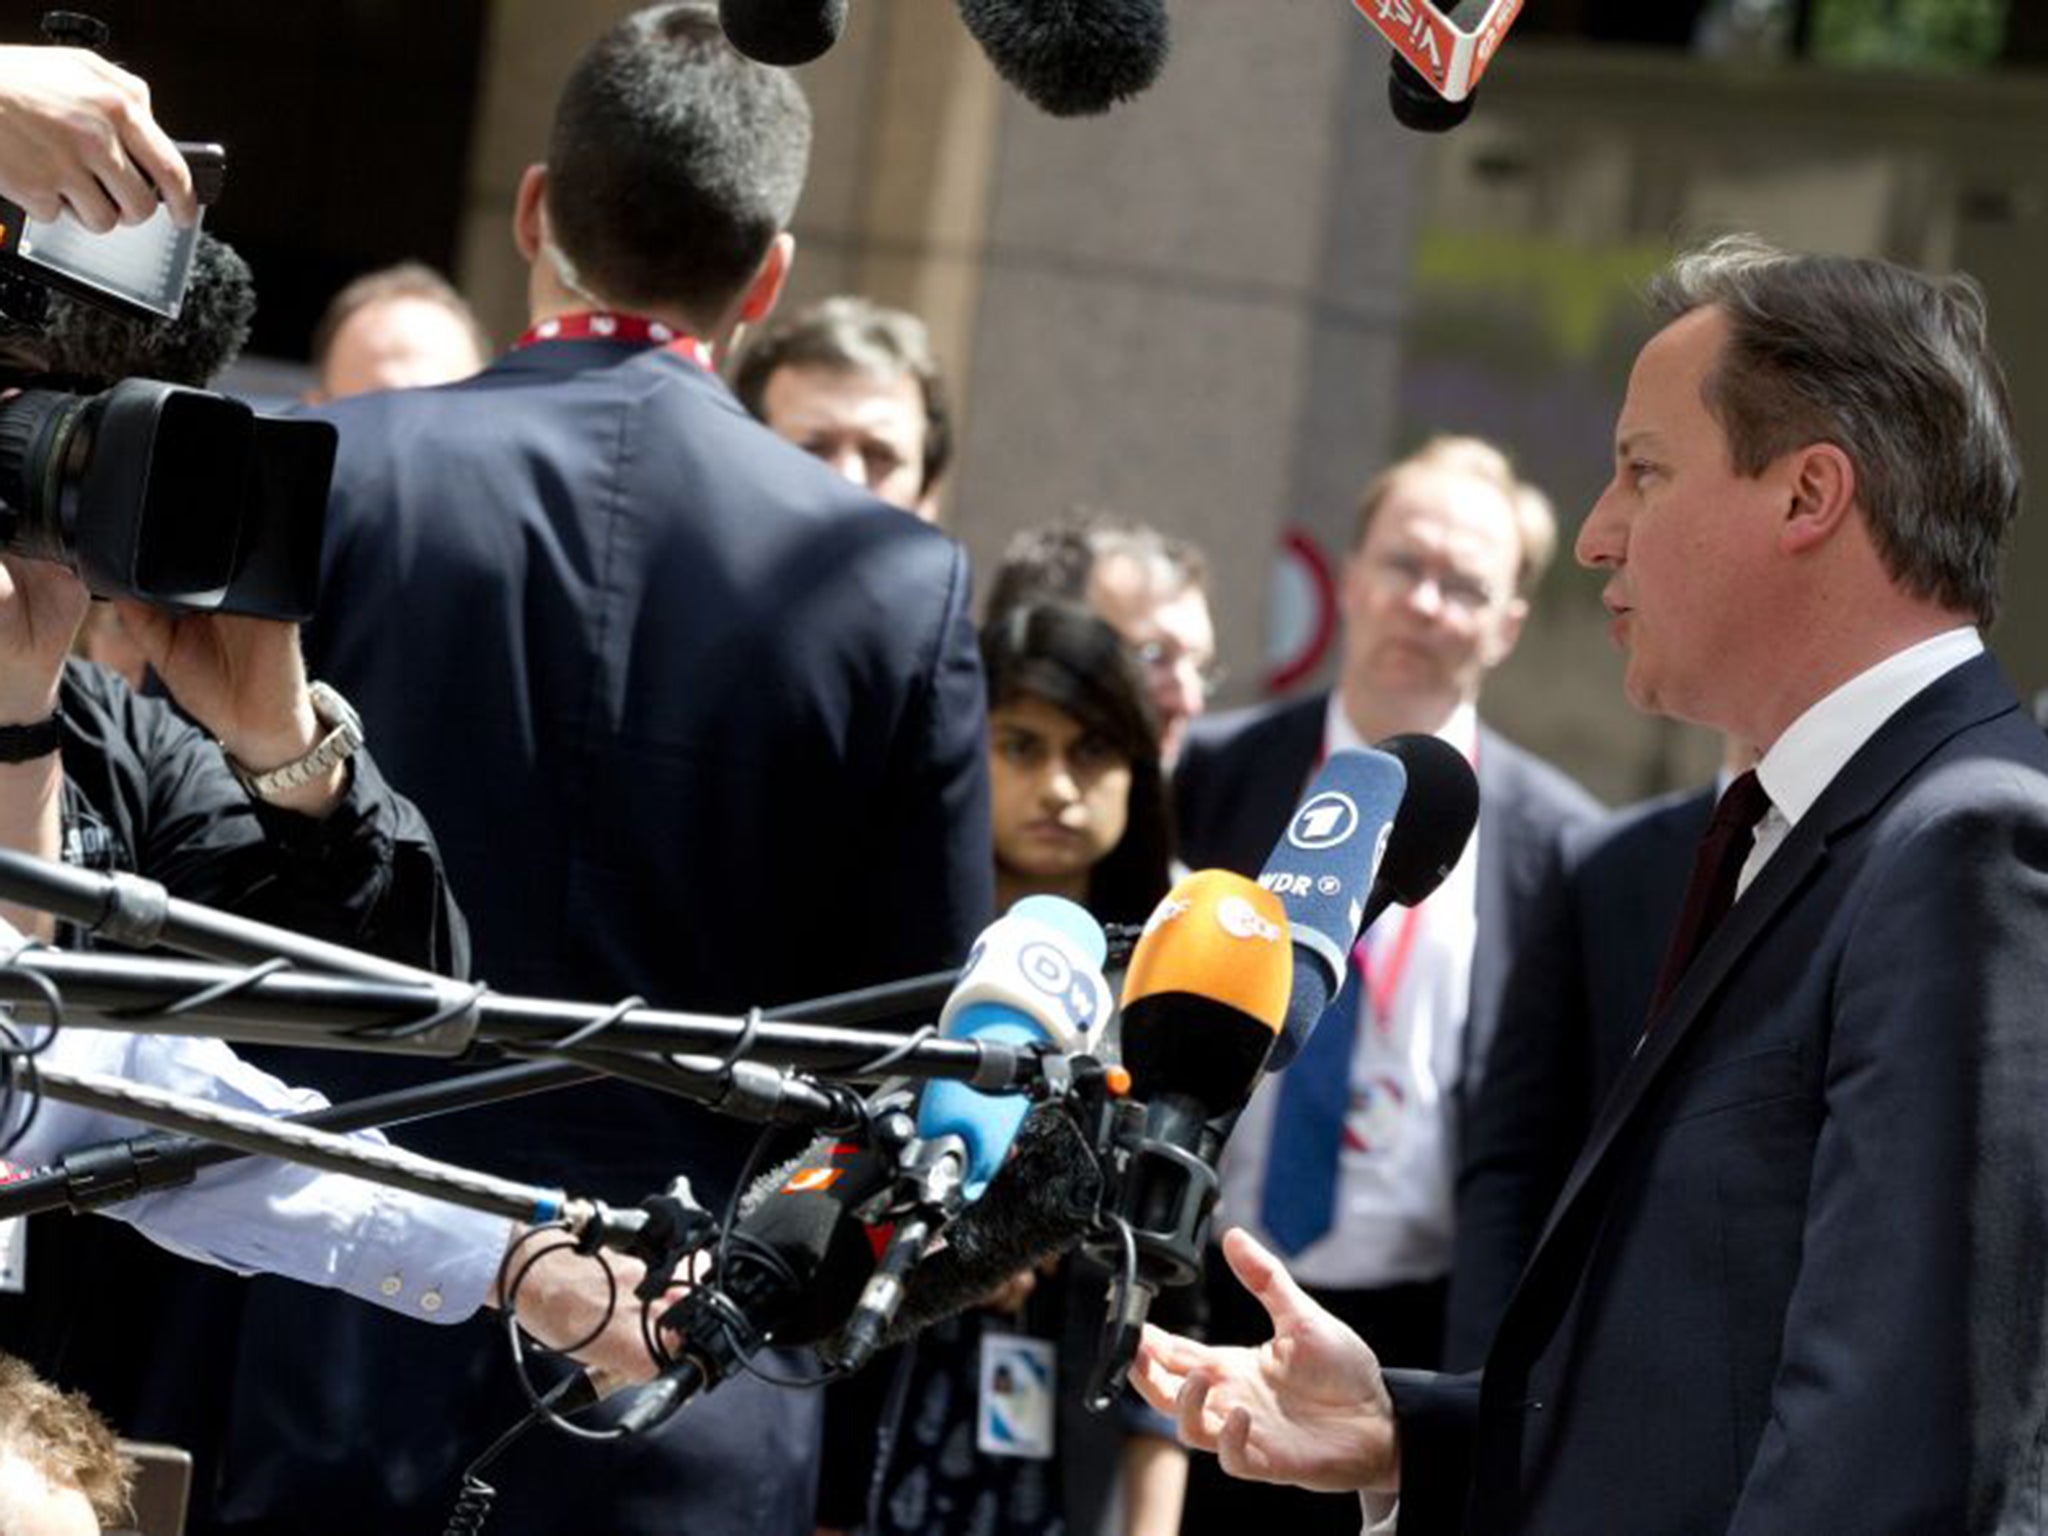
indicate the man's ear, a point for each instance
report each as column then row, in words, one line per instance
column 766, row 286
column 1822, row 482
column 1499, row 643
column 529, row 212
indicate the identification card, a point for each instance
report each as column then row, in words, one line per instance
column 1018, row 1379
column 14, row 1255
column 13, row 1239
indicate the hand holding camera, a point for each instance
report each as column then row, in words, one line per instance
column 41, row 607
column 243, row 680
column 77, row 137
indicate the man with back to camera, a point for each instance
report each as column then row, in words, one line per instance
column 1794, row 1282
column 855, row 384
column 693, row 718
column 1357, row 1185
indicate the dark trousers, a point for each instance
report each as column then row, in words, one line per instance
column 1404, row 1324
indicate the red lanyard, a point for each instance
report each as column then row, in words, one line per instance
column 1383, row 981
column 628, row 330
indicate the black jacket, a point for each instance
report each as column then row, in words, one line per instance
column 147, row 791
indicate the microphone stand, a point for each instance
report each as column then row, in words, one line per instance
column 151, row 995
column 257, row 1133
column 138, row 913
column 114, row 1171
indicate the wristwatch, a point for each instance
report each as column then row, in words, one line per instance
column 344, row 735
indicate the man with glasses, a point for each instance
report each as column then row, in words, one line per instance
column 1149, row 587
column 1357, row 1195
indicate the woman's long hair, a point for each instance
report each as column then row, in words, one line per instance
column 1068, row 658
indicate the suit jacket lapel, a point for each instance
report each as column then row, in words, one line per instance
column 1277, row 778
column 1969, row 695
column 1503, row 838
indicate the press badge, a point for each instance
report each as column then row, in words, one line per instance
column 13, row 1240
column 1019, row 1375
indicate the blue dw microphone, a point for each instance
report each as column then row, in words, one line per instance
column 1322, row 870
column 1033, row 977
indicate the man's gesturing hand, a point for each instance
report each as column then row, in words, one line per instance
column 1307, row 1407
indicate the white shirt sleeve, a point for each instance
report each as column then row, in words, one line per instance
column 401, row 1251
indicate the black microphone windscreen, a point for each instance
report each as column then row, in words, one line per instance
column 1417, row 106
column 1072, row 57
column 783, row 32
column 797, row 1256
column 1038, row 1206
column 1436, row 820
column 89, row 342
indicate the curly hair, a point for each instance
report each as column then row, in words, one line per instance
column 59, row 1435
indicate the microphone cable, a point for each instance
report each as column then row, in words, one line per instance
column 473, row 1503
column 20, row 1082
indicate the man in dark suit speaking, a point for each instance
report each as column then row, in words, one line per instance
column 694, row 719
column 1795, row 1281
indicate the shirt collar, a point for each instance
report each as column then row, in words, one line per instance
column 1818, row 745
column 1461, row 730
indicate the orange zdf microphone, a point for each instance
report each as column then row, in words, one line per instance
column 1204, row 998
column 1439, row 55
column 1203, row 1003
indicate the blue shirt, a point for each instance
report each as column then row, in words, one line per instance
column 422, row 1257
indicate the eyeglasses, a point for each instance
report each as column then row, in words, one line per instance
column 1400, row 573
column 1166, row 659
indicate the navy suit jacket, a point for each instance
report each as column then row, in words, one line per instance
column 1241, row 775
column 1574, row 1010
column 694, row 720
column 1794, row 1282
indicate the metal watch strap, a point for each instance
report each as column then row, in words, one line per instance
column 344, row 736
column 26, row 743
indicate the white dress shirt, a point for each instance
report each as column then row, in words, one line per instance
column 1395, row 1182
column 1804, row 760
column 422, row 1257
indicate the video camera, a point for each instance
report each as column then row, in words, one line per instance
column 155, row 490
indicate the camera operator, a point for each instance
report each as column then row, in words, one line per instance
column 256, row 799
column 260, row 803
column 77, row 137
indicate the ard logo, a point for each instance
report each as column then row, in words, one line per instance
column 1324, row 822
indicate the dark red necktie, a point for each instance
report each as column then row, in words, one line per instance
column 1729, row 837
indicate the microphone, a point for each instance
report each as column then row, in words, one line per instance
column 1044, row 1199
column 1323, row 870
column 1440, row 53
column 97, row 346
column 1207, row 992
column 1072, row 58
column 1040, row 1204
column 783, row 32
column 813, row 1254
column 1437, row 817
column 789, row 1271
column 1034, row 977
